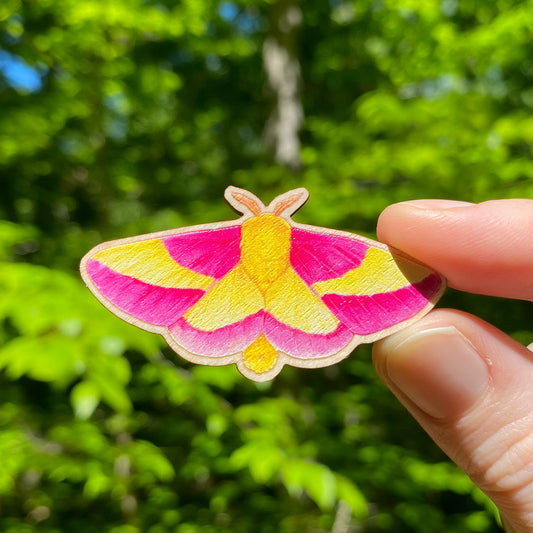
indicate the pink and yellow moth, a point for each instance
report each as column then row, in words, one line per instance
column 261, row 291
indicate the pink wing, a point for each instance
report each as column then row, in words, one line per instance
column 212, row 252
column 366, row 314
column 321, row 256
column 121, row 276
column 318, row 257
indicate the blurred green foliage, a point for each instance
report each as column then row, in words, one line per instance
column 125, row 117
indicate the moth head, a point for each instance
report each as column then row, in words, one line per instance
column 247, row 203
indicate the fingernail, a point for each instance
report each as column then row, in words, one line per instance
column 437, row 369
column 436, row 204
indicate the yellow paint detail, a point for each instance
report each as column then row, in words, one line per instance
column 265, row 249
column 232, row 299
column 260, row 356
column 290, row 301
column 150, row 262
column 379, row 272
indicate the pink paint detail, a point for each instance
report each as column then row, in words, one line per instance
column 226, row 340
column 305, row 345
column 365, row 315
column 321, row 256
column 234, row 338
column 152, row 304
column 212, row 252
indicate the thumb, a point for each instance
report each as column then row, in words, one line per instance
column 469, row 386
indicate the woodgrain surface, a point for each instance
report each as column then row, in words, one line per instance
column 261, row 291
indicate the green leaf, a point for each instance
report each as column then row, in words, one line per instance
column 263, row 459
column 84, row 398
column 49, row 358
column 150, row 462
column 98, row 482
column 349, row 493
column 317, row 480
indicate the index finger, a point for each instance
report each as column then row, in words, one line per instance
column 485, row 248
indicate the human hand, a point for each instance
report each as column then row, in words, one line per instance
column 468, row 384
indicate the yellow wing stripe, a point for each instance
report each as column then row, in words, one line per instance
column 231, row 300
column 150, row 262
column 379, row 272
column 292, row 302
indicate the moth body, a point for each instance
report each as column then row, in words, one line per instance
column 265, row 249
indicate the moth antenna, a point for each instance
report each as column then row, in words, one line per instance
column 294, row 199
column 248, row 202
column 244, row 198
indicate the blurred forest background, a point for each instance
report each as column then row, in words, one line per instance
column 123, row 117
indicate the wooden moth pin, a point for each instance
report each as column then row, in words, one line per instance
column 261, row 291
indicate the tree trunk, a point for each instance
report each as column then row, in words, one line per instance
column 282, row 69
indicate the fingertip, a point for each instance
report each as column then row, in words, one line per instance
column 405, row 213
column 435, row 367
column 484, row 248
